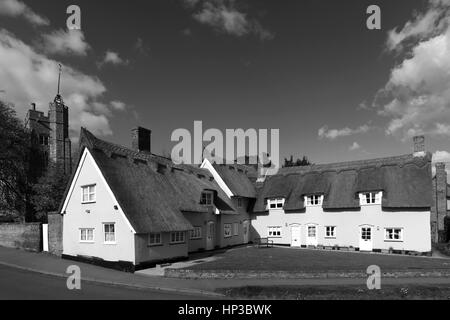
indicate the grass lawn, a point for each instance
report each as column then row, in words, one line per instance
column 340, row 293
column 302, row 260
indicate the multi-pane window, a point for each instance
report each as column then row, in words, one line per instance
column 227, row 230
column 330, row 232
column 177, row 237
column 366, row 234
column 110, row 232
column 236, row 229
column 206, row 198
column 154, row 239
column 274, row 231
column 88, row 193
column 370, row 198
column 275, row 203
column 196, row 233
column 86, row 235
column 311, row 231
column 314, row 200
column 393, row 234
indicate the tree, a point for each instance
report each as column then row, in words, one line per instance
column 297, row 163
column 14, row 162
column 49, row 191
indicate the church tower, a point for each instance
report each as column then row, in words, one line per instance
column 60, row 152
column 51, row 133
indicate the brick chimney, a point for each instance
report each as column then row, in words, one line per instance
column 141, row 139
column 419, row 146
column 439, row 205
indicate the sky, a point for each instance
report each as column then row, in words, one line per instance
column 336, row 90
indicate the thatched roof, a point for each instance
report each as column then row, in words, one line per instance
column 238, row 178
column 404, row 180
column 152, row 191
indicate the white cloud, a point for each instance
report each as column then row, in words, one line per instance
column 224, row 17
column 141, row 47
column 416, row 99
column 65, row 42
column 113, row 58
column 28, row 76
column 430, row 23
column 16, row 8
column 118, row 105
column 354, row 146
column 333, row 134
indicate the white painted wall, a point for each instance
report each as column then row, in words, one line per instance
column 102, row 211
column 416, row 232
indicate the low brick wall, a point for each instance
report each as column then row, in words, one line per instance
column 55, row 230
column 239, row 274
column 21, row 235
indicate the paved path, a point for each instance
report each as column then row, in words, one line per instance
column 23, row 285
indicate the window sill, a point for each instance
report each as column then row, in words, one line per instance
column 195, row 238
column 226, row 237
column 369, row 204
column 87, row 242
column 176, row 243
column 155, row 245
column 110, row 243
column 330, row 237
column 88, row 202
column 393, row 240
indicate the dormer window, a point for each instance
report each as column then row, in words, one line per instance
column 314, row 200
column 370, row 198
column 275, row 203
column 207, row 198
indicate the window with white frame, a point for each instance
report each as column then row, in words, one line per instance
column 227, row 230
column 330, row 232
column 370, row 198
column 88, row 193
column 196, row 233
column 393, row 234
column 154, row 239
column 314, row 200
column 236, row 229
column 274, row 232
column 206, row 198
column 240, row 203
column 109, row 230
column 177, row 237
column 311, row 231
column 86, row 235
column 275, row 203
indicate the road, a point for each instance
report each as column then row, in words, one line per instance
column 24, row 285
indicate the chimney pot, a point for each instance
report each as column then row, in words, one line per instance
column 141, row 139
column 33, row 106
column 419, row 145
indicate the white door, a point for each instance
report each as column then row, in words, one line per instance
column 311, row 235
column 295, row 236
column 210, row 232
column 365, row 239
column 246, row 231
